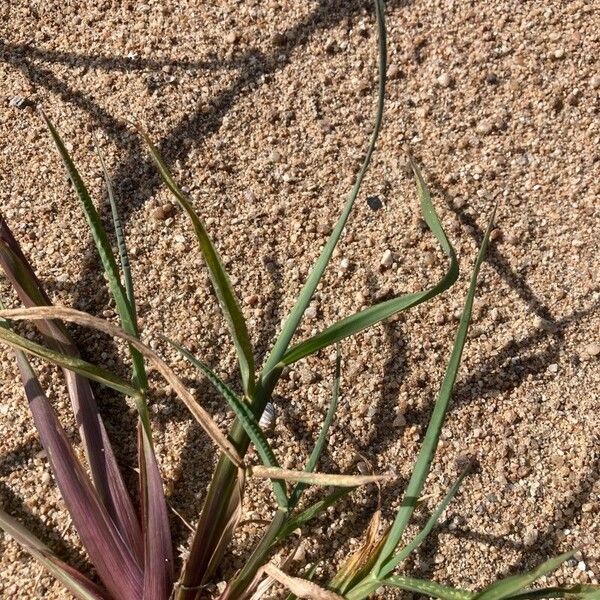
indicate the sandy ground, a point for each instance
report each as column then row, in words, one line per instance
column 263, row 109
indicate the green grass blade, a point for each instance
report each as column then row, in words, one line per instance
column 374, row 314
column 311, row 512
column 431, row 522
column 512, row 585
column 313, row 459
column 430, row 589
column 295, row 316
column 120, row 236
column 72, row 363
column 223, row 288
column 109, row 263
column 246, row 417
column 79, row 585
column 426, row 454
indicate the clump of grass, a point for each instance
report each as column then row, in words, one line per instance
column 131, row 548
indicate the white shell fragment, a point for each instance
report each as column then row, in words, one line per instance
column 267, row 419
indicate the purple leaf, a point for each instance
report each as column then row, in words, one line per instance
column 115, row 563
column 105, row 472
column 158, row 570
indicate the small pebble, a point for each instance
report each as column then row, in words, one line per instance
column 374, row 202
column 444, row 80
column 592, row 349
column 387, row 259
column 311, row 311
column 162, row 212
column 274, row 156
column 46, row 478
column 485, row 127
column 559, row 53
column 545, row 324
column 344, row 264
column 595, row 82
column 553, row 368
column 249, row 196
column 393, row 72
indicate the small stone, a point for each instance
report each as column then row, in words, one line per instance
column 553, row 368
column 46, row 478
column 559, row 53
column 387, row 259
column 592, row 349
column 307, row 376
column 496, row 235
column 232, row 37
column 485, row 127
column 492, row 79
column 274, row 156
column 311, row 311
column 595, row 82
column 530, row 536
column 162, row 212
column 557, row 103
column 581, row 566
column 374, row 202
column 393, row 72
column 344, row 264
column 249, row 196
column 545, row 325
column 251, row 300
column 444, row 80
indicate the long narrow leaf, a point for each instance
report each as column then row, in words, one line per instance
column 426, row 454
column 374, row 314
column 119, row 235
column 158, row 564
column 304, row 298
column 81, row 318
column 68, row 362
column 104, row 249
column 431, row 522
column 116, row 565
column 223, row 288
column 579, row 591
column 158, row 550
column 426, row 588
column 313, row 459
column 246, row 417
column 515, row 584
column 79, row 585
column 105, row 472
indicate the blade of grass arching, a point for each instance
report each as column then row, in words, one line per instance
column 431, row 522
column 512, row 585
column 104, row 470
column 81, row 318
column 77, row 365
column 297, row 521
column 374, row 314
column 246, row 417
column 313, row 459
column 429, row 446
column 158, row 563
column 119, row 235
column 78, row 584
column 126, row 313
column 223, row 288
column 305, row 296
column 115, row 563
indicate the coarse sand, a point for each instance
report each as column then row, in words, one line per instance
column 263, row 109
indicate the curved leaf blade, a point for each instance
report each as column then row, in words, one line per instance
column 375, row 314
column 429, row 446
column 223, row 288
column 291, row 324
